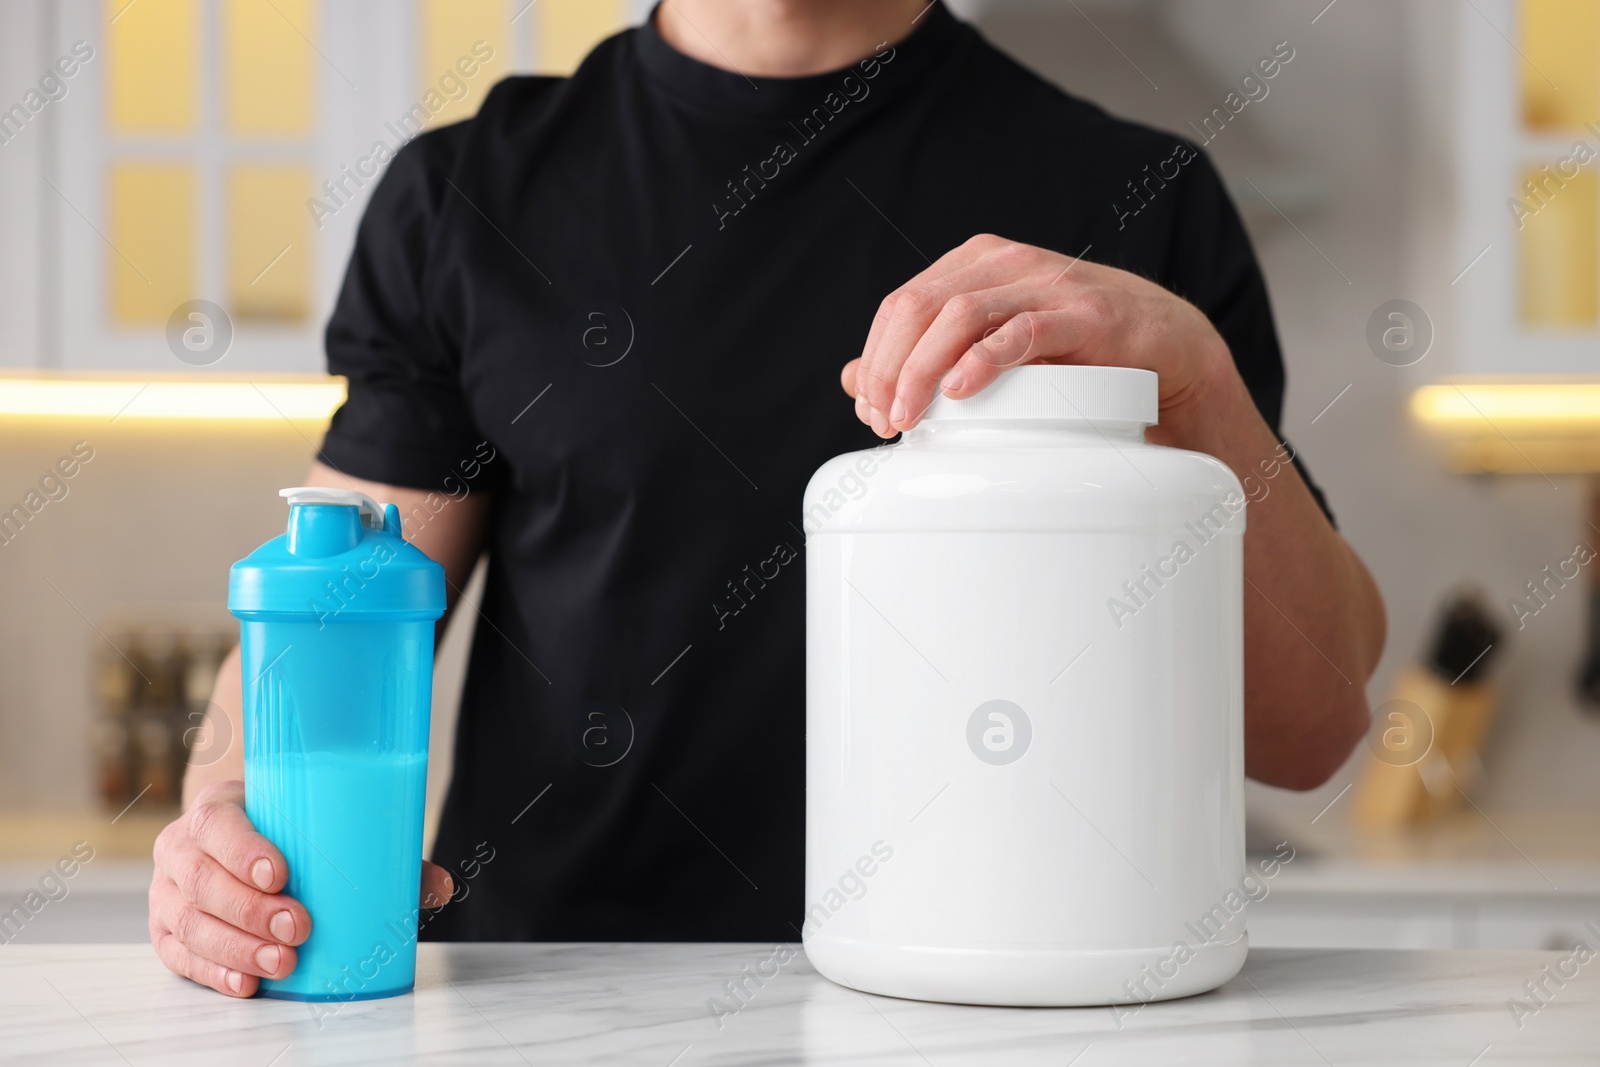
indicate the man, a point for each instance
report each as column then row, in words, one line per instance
column 612, row 307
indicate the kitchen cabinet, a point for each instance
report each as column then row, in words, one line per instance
column 1475, row 919
column 1419, row 903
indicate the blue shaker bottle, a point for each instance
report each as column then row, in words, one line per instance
column 336, row 636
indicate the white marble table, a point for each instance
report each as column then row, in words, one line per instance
column 647, row 1004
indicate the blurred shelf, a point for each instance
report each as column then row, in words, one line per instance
column 1498, row 455
column 42, row 837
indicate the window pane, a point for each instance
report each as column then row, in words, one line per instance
column 267, row 65
column 569, row 29
column 1561, row 65
column 1560, row 249
column 153, row 58
column 269, row 243
column 464, row 51
column 152, row 233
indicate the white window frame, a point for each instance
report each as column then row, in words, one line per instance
column 1492, row 150
column 366, row 37
column 55, row 296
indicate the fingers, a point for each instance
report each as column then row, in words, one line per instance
column 219, row 826
column 185, row 963
column 979, row 331
column 213, row 940
column 226, row 869
column 847, row 376
column 978, row 336
column 437, row 885
column 206, row 950
column 969, row 252
column 1027, row 337
column 216, row 915
column 974, row 311
column 903, row 317
column 993, row 327
column 208, row 886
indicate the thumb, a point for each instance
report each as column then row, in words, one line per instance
column 437, row 885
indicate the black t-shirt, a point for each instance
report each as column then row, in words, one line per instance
column 620, row 302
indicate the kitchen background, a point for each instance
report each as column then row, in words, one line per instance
column 158, row 152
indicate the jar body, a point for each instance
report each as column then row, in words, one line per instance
column 1025, row 718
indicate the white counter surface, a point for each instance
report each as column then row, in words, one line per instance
column 647, row 1004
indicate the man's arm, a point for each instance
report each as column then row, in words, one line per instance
column 1314, row 622
column 218, row 914
column 1313, row 618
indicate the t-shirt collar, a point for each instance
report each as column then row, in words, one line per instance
column 729, row 91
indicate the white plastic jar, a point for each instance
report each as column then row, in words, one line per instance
column 1025, row 741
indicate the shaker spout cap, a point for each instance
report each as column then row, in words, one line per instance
column 327, row 522
column 371, row 510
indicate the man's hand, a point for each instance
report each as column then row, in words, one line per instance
column 217, row 910
column 993, row 304
column 1313, row 619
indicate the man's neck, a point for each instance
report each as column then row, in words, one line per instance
column 784, row 38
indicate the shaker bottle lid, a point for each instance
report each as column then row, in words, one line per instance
column 344, row 558
column 1039, row 391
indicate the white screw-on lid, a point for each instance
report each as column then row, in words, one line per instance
column 1036, row 391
